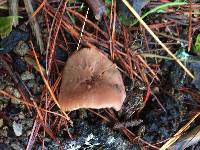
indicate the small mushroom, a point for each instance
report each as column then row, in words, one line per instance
column 91, row 80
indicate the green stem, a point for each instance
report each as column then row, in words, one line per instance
column 159, row 8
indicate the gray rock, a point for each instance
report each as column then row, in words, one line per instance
column 12, row 91
column 4, row 146
column 1, row 122
column 16, row 93
column 21, row 49
column 17, row 128
column 9, row 89
column 16, row 146
column 4, row 132
column 27, row 76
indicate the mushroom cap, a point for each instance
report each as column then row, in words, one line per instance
column 91, row 80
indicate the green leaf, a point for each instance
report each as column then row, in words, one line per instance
column 80, row 9
column 6, row 25
column 71, row 1
column 128, row 21
column 108, row 2
column 107, row 11
column 197, row 44
column 160, row 8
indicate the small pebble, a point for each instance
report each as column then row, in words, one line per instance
column 16, row 146
column 15, row 101
column 1, row 122
column 21, row 115
column 3, row 104
column 4, row 146
column 34, row 87
column 4, row 132
column 16, row 93
column 9, row 89
column 17, row 128
column 31, row 83
column 2, row 84
column 19, row 65
column 37, row 89
column 21, row 48
column 47, row 139
column 27, row 76
column 28, row 132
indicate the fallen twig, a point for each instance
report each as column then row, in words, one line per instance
column 34, row 25
column 13, row 11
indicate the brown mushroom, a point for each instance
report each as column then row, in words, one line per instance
column 91, row 80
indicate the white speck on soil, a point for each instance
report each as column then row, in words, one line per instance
column 73, row 146
column 17, row 128
column 111, row 140
column 16, row 93
column 90, row 137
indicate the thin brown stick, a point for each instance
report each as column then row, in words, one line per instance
column 13, row 11
column 34, row 25
column 113, row 28
column 190, row 26
column 53, row 37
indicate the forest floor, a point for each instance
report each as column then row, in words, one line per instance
column 162, row 104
